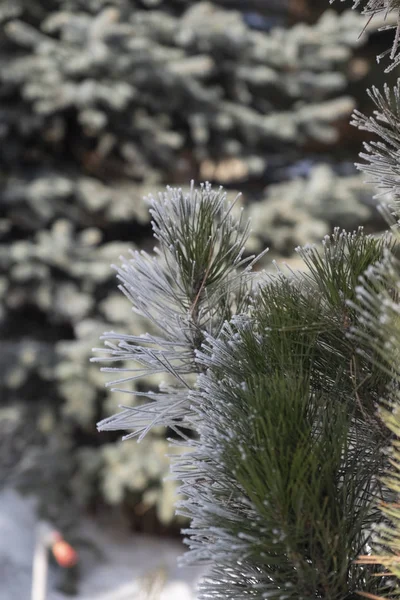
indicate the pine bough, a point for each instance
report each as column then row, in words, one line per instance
column 376, row 7
column 275, row 384
column 281, row 479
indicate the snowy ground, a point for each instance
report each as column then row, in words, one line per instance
column 128, row 567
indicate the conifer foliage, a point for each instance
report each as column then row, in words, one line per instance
column 375, row 7
column 280, row 378
column 281, row 479
column 288, row 439
column 379, row 306
column 195, row 282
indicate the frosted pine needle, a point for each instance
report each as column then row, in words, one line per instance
column 375, row 7
column 196, row 279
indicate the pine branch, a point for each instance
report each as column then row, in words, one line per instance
column 382, row 162
column 375, row 7
column 282, row 483
column 282, row 480
column 379, row 307
column 196, row 280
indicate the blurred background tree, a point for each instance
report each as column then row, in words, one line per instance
column 102, row 101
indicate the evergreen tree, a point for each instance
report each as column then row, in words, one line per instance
column 282, row 478
column 102, row 100
column 288, row 477
column 379, row 308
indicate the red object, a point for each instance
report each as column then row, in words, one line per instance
column 64, row 554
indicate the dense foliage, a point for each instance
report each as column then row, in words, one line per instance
column 282, row 479
column 292, row 472
column 100, row 102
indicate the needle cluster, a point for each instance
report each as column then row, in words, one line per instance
column 376, row 7
column 196, row 279
column 281, row 479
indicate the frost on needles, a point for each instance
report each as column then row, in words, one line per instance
column 384, row 7
column 276, row 404
column 195, row 281
column 379, row 306
column 284, row 388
